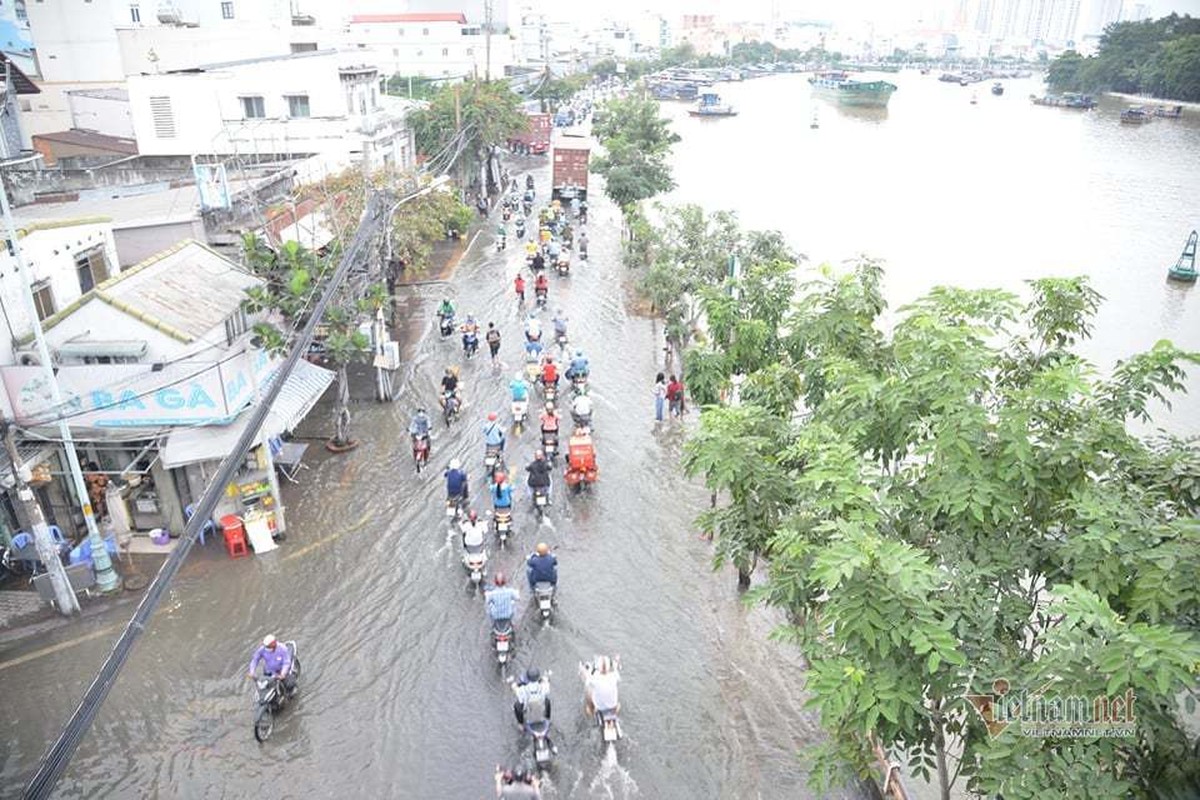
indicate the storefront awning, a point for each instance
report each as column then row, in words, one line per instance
column 299, row 394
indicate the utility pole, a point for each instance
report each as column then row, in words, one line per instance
column 487, row 39
column 107, row 579
column 47, row 550
column 458, row 131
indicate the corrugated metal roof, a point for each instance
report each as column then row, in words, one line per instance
column 185, row 291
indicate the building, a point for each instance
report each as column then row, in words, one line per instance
column 435, row 45
column 66, row 259
column 321, row 102
column 157, row 369
column 18, row 89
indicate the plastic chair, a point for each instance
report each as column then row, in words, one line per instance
column 205, row 529
column 57, row 535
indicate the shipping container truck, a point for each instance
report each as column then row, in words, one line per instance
column 569, row 176
column 537, row 137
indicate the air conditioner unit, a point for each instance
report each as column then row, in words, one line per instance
column 169, row 14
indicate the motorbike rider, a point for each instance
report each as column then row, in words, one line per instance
column 276, row 660
column 419, row 427
column 500, row 600
column 470, row 333
column 579, row 366
column 581, row 411
column 473, row 530
column 517, row 785
column 549, row 420
column 549, row 371
column 560, row 324
column 519, row 388
column 493, row 339
column 541, row 286
column 553, row 250
column 457, row 485
column 501, row 236
column 541, row 566
column 582, row 244
column 532, row 705
column 449, row 385
column 533, row 328
column 445, row 310
column 493, row 432
column 538, row 263
column 600, row 679
column 519, row 285
column 539, row 474
column 502, row 493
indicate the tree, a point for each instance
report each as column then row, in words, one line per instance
column 490, row 114
column 956, row 502
column 637, row 142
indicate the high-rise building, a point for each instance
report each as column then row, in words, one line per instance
column 1099, row 15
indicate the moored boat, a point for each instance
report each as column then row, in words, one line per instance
column 1137, row 115
column 997, row 88
column 1172, row 112
column 1065, row 100
column 1184, row 270
column 710, row 105
column 836, row 85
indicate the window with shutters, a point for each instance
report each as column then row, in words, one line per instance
column 227, row 9
column 43, row 299
column 163, row 117
column 92, row 268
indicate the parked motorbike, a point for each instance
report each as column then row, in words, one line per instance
column 420, row 450
column 543, row 593
column 520, row 410
column 270, row 697
column 541, row 499
column 503, row 522
column 475, row 561
column 502, row 640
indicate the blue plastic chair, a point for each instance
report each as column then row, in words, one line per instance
column 205, row 529
column 57, row 535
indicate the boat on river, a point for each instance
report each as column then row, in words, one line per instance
column 710, row 105
column 838, row 86
column 1138, row 115
column 1184, row 270
column 1172, row 112
column 1065, row 100
column 997, row 88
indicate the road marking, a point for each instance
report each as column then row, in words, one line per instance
column 54, row 648
column 326, row 540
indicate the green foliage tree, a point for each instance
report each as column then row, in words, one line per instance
column 637, row 142
column 955, row 502
column 490, row 114
column 1156, row 57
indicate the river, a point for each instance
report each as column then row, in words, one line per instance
column 983, row 195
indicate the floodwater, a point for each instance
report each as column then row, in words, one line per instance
column 983, row 195
column 401, row 694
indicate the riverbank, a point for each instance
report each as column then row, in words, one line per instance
column 1146, row 100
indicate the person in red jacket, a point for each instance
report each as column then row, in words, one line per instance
column 519, row 285
column 675, row 396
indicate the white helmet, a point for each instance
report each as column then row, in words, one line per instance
column 455, row 463
column 269, row 640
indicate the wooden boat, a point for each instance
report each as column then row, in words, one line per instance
column 1065, row 100
column 997, row 88
column 1184, row 270
column 1138, row 115
column 1174, row 112
column 710, row 105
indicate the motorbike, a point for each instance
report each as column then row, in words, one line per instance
column 582, row 252
column 520, row 409
column 446, row 326
column 501, row 243
column 470, row 343
column 541, row 297
column 550, row 446
column 527, row 207
column 543, row 593
column 561, row 340
column 563, row 266
column 454, row 508
column 543, row 750
column 541, row 499
column 583, row 421
column 449, row 407
column 532, row 369
column 506, row 214
column 270, row 697
column 609, row 724
column 493, row 460
column 475, row 561
column 502, row 640
column 502, row 518
column 520, row 228
column 420, row 450
column 579, row 383
column 550, row 390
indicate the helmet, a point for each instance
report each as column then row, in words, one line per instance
column 550, row 407
column 603, row 664
column 421, row 410
column 491, row 325
column 533, row 674
column 558, row 312
column 269, row 640
column 500, row 580
column 449, row 371
column 491, row 416
column 455, row 463
column 500, row 477
column 539, row 455
column 579, row 354
column 542, row 548
column 473, row 515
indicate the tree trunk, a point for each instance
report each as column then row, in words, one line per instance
column 939, row 744
column 341, row 409
column 743, row 578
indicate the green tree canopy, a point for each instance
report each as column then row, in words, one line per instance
column 637, row 142
column 490, row 111
column 1156, row 57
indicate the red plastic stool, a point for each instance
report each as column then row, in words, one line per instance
column 235, row 536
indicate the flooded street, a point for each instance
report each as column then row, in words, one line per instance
column 401, row 694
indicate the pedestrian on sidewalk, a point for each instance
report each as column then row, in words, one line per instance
column 660, row 396
column 675, row 396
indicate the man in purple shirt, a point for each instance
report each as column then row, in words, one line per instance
column 277, row 662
